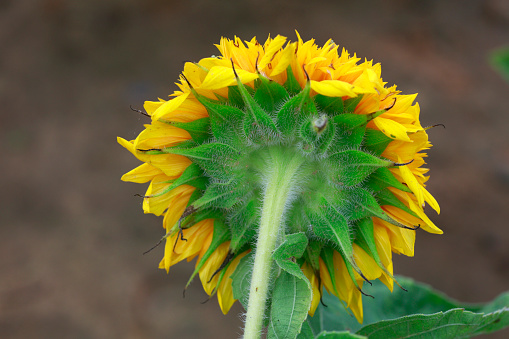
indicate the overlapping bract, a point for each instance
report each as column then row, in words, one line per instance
column 362, row 190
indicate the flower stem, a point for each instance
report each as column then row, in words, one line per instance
column 281, row 176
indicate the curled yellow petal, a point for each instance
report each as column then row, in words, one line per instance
column 271, row 49
column 220, row 77
column 169, row 106
column 392, row 128
column 333, row 88
column 141, row 174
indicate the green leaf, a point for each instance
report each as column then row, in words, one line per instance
column 355, row 166
column 306, row 331
column 365, row 238
column 500, row 60
column 328, row 259
column 223, row 195
column 375, row 141
column 244, row 224
column 318, row 133
column 291, row 84
column 339, row 335
column 351, row 104
column 214, row 158
column 234, row 97
column 350, row 129
column 295, row 110
column 223, row 119
column 361, row 204
column 291, row 299
column 326, row 139
column 293, row 247
column 292, row 294
column 420, row 299
column 270, row 95
column 386, row 197
column 455, row 323
column 329, row 223
column 330, row 105
column 192, row 175
column 257, row 122
column 383, row 178
column 197, row 129
column 220, row 235
column 200, row 215
column 241, row 279
column 349, row 121
column 312, row 253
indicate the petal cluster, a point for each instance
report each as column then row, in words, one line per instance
column 392, row 141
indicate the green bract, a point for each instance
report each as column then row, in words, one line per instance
column 340, row 179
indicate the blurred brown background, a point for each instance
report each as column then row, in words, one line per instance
column 72, row 233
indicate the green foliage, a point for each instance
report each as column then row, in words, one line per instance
column 246, row 222
column 420, row 312
column 375, row 142
column 330, row 105
column 295, row 110
column 292, row 295
column 213, row 158
column 270, row 95
column 197, row 129
column 383, row 178
column 340, row 184
column 355, row 166
column 500, row 61
column 241, row 279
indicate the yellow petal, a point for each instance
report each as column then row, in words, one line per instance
column 402, row 240
column 284, row 62
column 197, row 240
column 224, row 290
column 220, row 77
column 171, row 164
column 141, row 174
column 156, row 200
column 160, row 136
column 367, row 265
column 333, row 88
column 274, row 47
column 325, row 278
column 428, row 226
column 355, row 304
column 177, row 205
column 392, row 129
column 315, row 288
column 411, row 182
column 383, row 247
column 431, row 200
column 168, row 253
column 151, row 106
column 169, row 106
column 211, row 265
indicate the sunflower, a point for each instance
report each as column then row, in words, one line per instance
column 304, row 138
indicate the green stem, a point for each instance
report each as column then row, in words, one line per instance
column 281, row 177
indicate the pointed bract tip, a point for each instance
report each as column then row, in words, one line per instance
column 433, row 126
column 188, row 83
column 138, row 111
column 306, row 72
column 397, row 164
column 233, row 67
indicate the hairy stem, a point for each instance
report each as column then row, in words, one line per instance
column 282, row 174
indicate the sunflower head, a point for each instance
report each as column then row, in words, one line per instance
column 312, row 123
